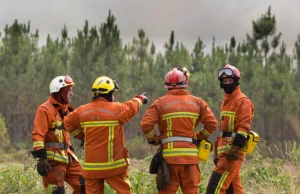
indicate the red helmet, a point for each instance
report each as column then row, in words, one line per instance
column 175, row 79
column 229, row 71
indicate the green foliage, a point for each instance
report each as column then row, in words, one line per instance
column 16, row 179
column 4, row 140
column 270, row 79
column 292, row 153
column 259, row 175
column 266, row 173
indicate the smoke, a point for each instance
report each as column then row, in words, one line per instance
column 189, row 19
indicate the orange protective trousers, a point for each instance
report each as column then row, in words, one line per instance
column 187, row 176
column 119, row 183
column 226, row 178
column 60, row 173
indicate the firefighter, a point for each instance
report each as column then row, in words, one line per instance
column 235, row 121
column 57, row 162
column 100, row 125
column 177, row 114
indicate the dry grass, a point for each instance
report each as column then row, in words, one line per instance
column 259, row 174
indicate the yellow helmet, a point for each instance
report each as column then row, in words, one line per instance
column 104, row 85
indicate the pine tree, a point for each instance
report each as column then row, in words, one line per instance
column 263, row 28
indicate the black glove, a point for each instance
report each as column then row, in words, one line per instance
column 143, row 97
column 41, row 153
column 43, row 167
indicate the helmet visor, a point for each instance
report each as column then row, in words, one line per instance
column 225, row 71
column 68, row 79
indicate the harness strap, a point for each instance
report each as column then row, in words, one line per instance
column 56, row 145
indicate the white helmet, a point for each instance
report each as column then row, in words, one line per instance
column 59, row 82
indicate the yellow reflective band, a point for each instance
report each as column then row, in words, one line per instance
column 180, row 152
column 180, row 114
column 231, row 116
column 57, row 156
column 104, row 165
column 56, row 124
column 226, row 148
column 38, row 144
column 231, row 124
column 110, row 143
column 221, row 182
column 205, row 132
column 243, row 133
column 60, row 136
column 149, row 135
column 99, row 123
column 169, row 132
column 75, row 132
column 223, row 149
column 126, row 179
column 194, row 123
column 228, row 113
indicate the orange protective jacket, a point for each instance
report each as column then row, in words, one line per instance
column 237, row 112
column 177, row 114
column 101, row 123
column 47, row 128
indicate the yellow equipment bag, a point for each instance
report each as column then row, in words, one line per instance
column 204, row 149
column 253, row 139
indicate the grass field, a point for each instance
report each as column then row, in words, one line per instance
column 260, row 175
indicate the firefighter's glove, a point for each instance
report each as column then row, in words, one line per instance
column 43, row 167
column 233, row 153
column 142, row 97
column 41, row 153
column 156, row 141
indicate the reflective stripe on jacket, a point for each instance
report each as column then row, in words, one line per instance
column 237, row 112
column 101, row 122
column 48, row 128
column 177, row 114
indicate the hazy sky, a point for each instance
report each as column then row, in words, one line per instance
column 188, row 18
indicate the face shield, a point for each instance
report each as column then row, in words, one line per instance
column 68, row 79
